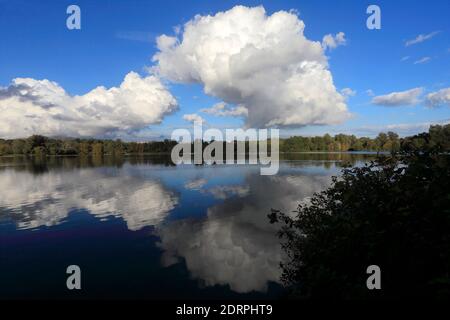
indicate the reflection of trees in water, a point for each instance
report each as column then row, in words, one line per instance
column 162, row 159
column 43, row 164
column 235, row 244
column 38, row 165
column 328, row 159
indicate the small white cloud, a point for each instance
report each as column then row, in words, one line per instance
column 438, row 98
column 193, row 117
column 422, row 60
column 421, row 38
column 404, row 58
column 402, row 98
column 331, row 42
column 221, row 109
column 347, row 92
column 370, row 92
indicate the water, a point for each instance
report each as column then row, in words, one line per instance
column 139, row 227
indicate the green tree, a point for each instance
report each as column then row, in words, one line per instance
column 39, row 151
column 53, row 147
column 84, row 148
column 439, row 137
column 108, row 146
column 394, row 145
column 97, row 149
column 5, row 148
column 118, row 148
column 70, row 147
column 394, row 212
column 381, row 140
column 18, row 146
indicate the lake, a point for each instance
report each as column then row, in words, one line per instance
column 140, row 227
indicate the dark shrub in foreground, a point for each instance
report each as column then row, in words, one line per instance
column 394, row 213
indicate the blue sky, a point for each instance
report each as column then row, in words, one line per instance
column 119, row 36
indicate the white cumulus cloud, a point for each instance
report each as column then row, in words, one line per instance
column 402, row 98
column 30, row 106
column 438, row 98
column 260, row 62
column 221, row 109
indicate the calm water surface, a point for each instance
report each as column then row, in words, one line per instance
column 140, row 227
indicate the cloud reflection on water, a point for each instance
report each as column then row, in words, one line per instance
column 235, row 245
column 32, row 201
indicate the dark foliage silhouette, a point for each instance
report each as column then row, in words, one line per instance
column 393, row 212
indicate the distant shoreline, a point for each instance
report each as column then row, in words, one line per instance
column 168, row 153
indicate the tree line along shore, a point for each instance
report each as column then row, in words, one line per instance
column 38, row 145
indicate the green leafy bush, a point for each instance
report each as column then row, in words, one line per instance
column 393, row 212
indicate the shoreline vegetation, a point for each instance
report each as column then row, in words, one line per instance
column 392, row 213
column 39, row 146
